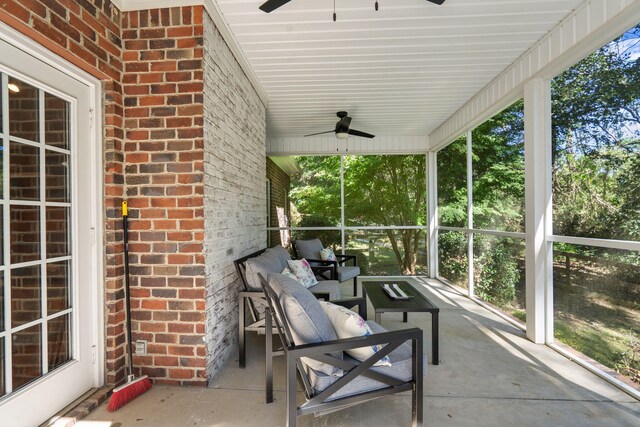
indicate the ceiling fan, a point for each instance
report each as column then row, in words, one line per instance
column 271, row 5
column 343, row 130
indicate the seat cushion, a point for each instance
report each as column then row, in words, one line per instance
column 265, row 264
column 331, row 287
column 309, row 249
column 281, row 253
column 305, row 318
column 401, row 368
column 347, row 272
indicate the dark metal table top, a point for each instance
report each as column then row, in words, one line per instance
column 383, row 302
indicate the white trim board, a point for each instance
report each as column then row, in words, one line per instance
column 218, row 19
column 589, row 27
column 352, row 145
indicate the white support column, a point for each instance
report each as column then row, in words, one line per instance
column 432, row 211
column 537, row 143
column 470, row 278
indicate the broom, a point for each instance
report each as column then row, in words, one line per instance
column 134, row 387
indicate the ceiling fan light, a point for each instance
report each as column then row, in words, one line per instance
column 342, row 135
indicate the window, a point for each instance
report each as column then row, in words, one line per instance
column 596, row 202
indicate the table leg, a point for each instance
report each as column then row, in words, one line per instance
column 405, row 316
column 435, row 338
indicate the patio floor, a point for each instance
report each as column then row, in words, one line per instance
column 489, row 375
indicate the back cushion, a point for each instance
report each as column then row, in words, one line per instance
column 265, row 264
column 305, row 317
column 309, row 249
column 282, row 254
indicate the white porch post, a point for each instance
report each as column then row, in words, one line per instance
column 539, row 265
column 471, row 275
column 432, row 212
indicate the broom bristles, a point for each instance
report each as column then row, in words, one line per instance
column 127, row 392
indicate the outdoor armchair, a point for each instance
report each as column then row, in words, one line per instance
column 311, row 249
column 331, row 379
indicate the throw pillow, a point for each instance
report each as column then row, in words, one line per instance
column 349, row 324
column 303, row 272
column 327, row 255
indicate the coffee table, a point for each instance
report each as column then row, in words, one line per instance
column 383, row 303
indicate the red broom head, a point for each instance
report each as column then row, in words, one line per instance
column 127, row 392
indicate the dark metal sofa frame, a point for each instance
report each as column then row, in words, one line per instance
column 247, row 300
column 318, row 403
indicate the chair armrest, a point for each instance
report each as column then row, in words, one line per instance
column 251, row 294
column 350, row 303
column 325, row 265
column 401, row 336
column 342, row 259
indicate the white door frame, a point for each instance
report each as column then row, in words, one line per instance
column 34, row 49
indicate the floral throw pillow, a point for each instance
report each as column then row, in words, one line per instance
column 327, row 255
column 302, row 270
column 349, row 324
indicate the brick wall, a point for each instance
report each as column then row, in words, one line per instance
column 280, row 185
column 164, row 155
column 151, row 66
column 235, row 202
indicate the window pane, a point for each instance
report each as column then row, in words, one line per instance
column 57, row 181
column 382, row 252
column 385, row 190
column 596, row 298
column 596, row 144
column 315, row 194
column 56, row 121
column 25, row 233
column 25, row 295
column 58, row 279
column 58, row 243
column 58, row 341
column 26, row 355
column 23, row 110
column 24, row 173
column 499, row 272
column 453, row 257
column 452, row 184
column 498, row 171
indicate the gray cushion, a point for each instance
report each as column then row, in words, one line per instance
column 347, row 272
column 401, row 368
column 282, row 254
column 305, row 317
column 265, row 264
column 331, row 287
column 309, row 249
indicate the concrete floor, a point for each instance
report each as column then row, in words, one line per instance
column 489, row 375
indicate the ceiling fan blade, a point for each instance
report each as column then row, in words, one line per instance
column 362, row 134
column 271, row 5
column 436, row 1
column 320, row 133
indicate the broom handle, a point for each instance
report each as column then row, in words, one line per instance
column 127, row 302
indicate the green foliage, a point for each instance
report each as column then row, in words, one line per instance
column 496, row 270
column 454, row 262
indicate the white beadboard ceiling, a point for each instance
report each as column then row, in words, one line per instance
column 401, row 71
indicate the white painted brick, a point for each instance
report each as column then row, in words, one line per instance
column 234, row 179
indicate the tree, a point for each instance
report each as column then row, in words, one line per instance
column 389, row 191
